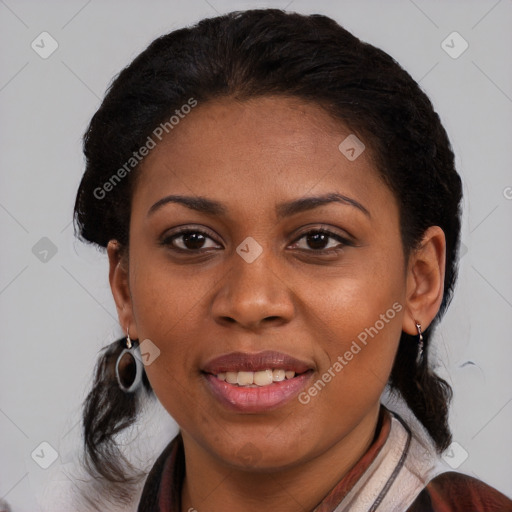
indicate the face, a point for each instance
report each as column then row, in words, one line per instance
column 258, row 281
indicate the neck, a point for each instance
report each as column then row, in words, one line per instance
column 214, row 486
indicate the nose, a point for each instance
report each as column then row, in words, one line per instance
column 253, row 295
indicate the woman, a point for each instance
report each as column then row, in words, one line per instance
column 281, row 214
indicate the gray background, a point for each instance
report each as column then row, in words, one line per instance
column 56, row 310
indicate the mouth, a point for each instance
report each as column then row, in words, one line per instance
column 256, row 379
column 256, row 382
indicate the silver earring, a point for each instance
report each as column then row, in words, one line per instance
column 419, row 357
column 129, row 367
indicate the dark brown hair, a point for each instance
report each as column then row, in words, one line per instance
column 270, row 52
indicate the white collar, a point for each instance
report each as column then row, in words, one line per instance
column 404, row 465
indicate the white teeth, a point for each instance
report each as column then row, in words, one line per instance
column 263, row 378
column 245, row 378
column 231, row 377
column 278, row 375
column 254, row 379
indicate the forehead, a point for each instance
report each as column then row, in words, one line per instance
column 275, row 124
column 255, row 150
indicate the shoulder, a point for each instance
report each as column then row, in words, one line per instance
column 456, row 492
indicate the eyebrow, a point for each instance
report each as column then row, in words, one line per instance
column 287, row 209
column 308, row 203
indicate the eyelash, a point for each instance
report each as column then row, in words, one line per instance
column 167, row 241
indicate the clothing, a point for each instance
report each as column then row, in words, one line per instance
column 398, row 473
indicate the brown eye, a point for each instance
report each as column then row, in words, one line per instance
column 190, row 241
column 321, row 240
column 317, row 240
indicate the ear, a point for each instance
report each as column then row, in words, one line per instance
column 425, row 280
column 119, row 284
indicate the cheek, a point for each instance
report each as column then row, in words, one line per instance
column 164, row 298
column 357, row 322
column 170, row 311
column 365, row 296
column 356, row 363
column 362, row 330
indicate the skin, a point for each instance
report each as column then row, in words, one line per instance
column 251, row 156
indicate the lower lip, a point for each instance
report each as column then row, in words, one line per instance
column 260, row 399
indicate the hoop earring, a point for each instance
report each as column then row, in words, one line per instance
column 129, row 367
column 419, row 357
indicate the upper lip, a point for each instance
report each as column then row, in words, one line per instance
column 243, row 361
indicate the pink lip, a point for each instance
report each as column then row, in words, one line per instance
column 240, row 361
column 256, row 399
